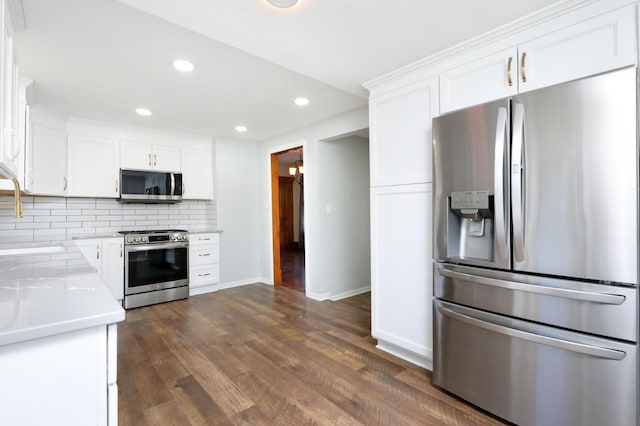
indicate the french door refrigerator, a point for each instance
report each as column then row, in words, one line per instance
column 536, row 253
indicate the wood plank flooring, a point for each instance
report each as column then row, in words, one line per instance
column 264, row 355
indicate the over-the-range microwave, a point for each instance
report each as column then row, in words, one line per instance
column 150, row 186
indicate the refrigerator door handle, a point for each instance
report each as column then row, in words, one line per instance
column 582, row 348
column 586, row 296
column 501, row 233
column 517, row 169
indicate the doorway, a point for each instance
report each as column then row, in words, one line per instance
column 287, row 196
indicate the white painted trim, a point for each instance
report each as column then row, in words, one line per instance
column 512, row 29
column 350, row 293
column 263, row 280
column 320, row 297
column 419, row 360
column 241, row 283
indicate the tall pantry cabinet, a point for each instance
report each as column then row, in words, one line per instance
column 401, row 192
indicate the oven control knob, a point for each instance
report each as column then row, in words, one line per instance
column 173, row 238
column 129, row 239
column 178, row 237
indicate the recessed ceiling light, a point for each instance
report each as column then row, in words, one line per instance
column 182, row 65
column 143, row 111
column 283, row 3
column 241, row 129
column 301, row 101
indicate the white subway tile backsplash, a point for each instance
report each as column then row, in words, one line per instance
column 60, row 219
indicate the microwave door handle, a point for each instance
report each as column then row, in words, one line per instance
column 173, row 184
column 500, row 146
column 517, row 182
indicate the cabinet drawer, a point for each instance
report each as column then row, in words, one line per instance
column 204, row 239
column 203, row 255
column 203, row 275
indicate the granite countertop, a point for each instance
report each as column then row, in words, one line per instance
column 43, row 294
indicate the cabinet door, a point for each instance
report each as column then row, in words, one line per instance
column 166, row 158
column 401, row 272
column 136, row 155
column 93, row 167
column 91, row 250
column 197, row 174
column 9, row 142
column 112, row 272
column 401, row 134
column 492, row 77
column 47, row 161
column 601, row 44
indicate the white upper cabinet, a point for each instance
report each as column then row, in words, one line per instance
column 197, row 174
column 146, row 156
column 400, row 133
column 11, row 146
column 492, row 77
column 46, row 162
column 93, row 166
column 590, row 47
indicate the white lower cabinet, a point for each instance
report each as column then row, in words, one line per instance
column 107, row 256
column 60, row 380
column 204, row 263
column 401, row 274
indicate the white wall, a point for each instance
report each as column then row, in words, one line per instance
column 345, row 237
column 238, row 214
column 315, row 248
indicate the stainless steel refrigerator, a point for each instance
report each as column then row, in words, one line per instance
column 536, row 253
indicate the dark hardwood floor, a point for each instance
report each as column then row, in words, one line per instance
column 292, row 265
column 264, row 355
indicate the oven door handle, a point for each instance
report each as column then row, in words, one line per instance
column 148, row 247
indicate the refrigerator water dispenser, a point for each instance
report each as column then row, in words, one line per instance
column 470, row 225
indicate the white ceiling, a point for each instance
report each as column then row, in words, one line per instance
column 101, row 59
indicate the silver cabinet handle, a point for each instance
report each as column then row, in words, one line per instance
column 149, row 158
column 155, row 160
column 523, row 67
column 204, row 254
column 116, row 186
column 65, row 183
column 204, row 239
column 204, row 275
column 121, row 249
column 535, row 338
column 517, row 190
column 500, row 147
column 509, row 79
column 97, row 252
column 586, row 296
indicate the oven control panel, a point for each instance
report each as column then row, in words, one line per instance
column 156, row 237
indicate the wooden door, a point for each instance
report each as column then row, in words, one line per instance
column 285, row 186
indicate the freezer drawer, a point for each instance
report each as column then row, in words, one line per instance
column 604, row 310
column 531, row 374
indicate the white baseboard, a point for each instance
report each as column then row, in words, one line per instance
column 265, row 280
column 350, row 293
column 317, row 296
column 412, row 357
column 241, row 283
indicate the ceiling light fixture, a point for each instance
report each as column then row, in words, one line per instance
column 182, row 65
column 301, row 101
column 241, row 129
column 283, row 3
column 296, row 170
column 143, row 112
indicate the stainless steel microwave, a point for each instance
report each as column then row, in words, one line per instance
column 150, row 186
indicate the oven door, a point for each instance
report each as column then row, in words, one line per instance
column 155, row 267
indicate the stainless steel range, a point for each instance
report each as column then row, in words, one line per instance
column 156, row 267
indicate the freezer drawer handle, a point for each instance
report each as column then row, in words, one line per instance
column 536, row 338
column 587, row 296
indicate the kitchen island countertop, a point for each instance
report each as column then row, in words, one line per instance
column 43, row 295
